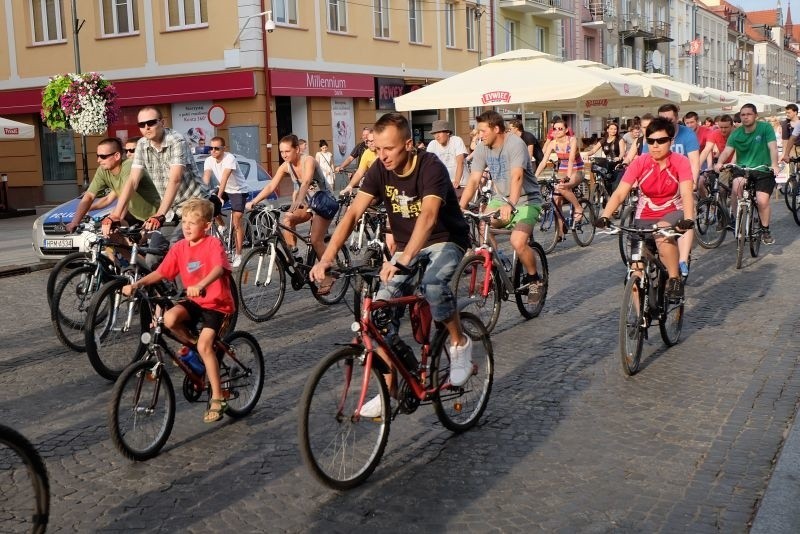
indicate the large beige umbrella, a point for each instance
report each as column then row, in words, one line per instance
column 519, row 77
column 13, row 130
column 688, row 93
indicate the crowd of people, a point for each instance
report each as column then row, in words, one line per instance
column 154, row 180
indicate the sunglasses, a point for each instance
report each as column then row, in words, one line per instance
column 560, row 129
column 130, row 150
column 658, row 140
column 105, row 156
column 216, row 148
column 150, row 123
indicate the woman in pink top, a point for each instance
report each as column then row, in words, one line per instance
column 665, row 183
column 570, row 166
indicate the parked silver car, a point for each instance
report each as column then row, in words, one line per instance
column 52, row 242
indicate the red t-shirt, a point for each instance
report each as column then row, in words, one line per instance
column 704, row 135
column 193, row 263
column 719, row 140
column 659, row 191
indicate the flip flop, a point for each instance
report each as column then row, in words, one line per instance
column 325, row 289
column 212, row 415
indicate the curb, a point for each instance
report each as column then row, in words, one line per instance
column 16, row 270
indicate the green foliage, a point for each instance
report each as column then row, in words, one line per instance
column 52, row 114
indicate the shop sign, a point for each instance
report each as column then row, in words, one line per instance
column 303, row 83
column 495, row 97
column 191, row 119
column 386, row 90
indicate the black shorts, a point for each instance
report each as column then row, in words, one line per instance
column 207, row 318
column 237, row 200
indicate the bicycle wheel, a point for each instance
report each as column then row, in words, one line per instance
column 530, row 310
column 795, row 207
column 242, row 373
column 583, row 227
column 459, row 408
column 261, row 283
column 631, row 324
column 142, row 410
column 340, row 285
column 548, row 226
column 741, row 230
column 469, row 280
column 710, row 223
column 64, row 265
column 626, row 220
column 114, row 326
column 70, row 305
column 340, row 448
column 670, row 322
column 789, row 190
column 24, row 484
column 755, row 232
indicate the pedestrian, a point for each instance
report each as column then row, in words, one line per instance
column 325, row 161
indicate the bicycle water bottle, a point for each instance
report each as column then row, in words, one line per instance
column 192, row 360
column 504, row 260
column 404, row 352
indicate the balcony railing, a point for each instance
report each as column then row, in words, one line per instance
column 550, row 9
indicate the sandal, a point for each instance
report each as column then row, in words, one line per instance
column 213, row 415
column 325, row 288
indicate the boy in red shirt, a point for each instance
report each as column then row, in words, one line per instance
column 203, row 266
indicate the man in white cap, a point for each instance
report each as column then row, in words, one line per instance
column 450, row 149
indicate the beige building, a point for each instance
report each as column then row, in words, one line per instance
column 327, row 68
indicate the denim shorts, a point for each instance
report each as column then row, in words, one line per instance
column 435, row 285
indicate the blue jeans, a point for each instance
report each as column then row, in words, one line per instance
column 435, row 284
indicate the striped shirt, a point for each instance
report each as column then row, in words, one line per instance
column 174, row 150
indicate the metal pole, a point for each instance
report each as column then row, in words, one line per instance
column 76, row 46
column 478, row 14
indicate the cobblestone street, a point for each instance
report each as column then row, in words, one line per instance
column 566, row 444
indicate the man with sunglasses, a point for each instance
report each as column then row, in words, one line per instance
column 755, row 145
column 164, row 155
column 112, row 172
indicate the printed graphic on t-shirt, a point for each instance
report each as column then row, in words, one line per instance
column 194, row 266
column 497, row 166
column 407, row 207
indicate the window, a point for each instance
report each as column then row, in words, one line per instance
column 414, row 21
column 450, row 25
column 337, row 15
column 285, row 11
column 541, row 39
column 511, row 35
column 588, row 48
column 48, row 25
column 381, row 9
column 119, row 17
column 186, row 13
column 472, row 28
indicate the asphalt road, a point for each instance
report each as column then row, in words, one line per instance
column 567, row 444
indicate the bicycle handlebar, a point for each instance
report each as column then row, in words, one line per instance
column 666, row 231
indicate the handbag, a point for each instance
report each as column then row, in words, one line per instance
column 324, row 204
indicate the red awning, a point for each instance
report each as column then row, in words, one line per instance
column 239, row 84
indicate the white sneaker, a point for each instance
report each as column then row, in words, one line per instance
column 237, row 261
column 372, row 408
column 461, row 362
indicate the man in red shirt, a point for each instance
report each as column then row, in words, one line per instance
column 718, row 139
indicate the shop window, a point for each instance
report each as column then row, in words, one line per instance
column 186, row 14
column 450, row 25
column 47, row 20
column 414, row 21
column 119, row 17
column 381, row 11
column 337, row 15
column 285, row 11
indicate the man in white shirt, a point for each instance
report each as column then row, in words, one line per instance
column 450, row 149
column 232, row 187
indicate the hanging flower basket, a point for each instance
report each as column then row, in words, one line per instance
column 85, row 103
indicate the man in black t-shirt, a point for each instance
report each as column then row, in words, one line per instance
column 426, row 221
column 534, row 148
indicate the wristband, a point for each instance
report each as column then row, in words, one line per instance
column 157, row 221
column 107, row 220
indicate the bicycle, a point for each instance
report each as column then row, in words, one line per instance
column 339, row 446
column 483, row 277
column 791, row 190
column 262, row 278
column 713, row 216
column 82, row 276
column 24, row 485
column 552, row 221
column 748, row 223
column 228, row 236
column 604, row 174
column 627, row 213
column 142, row 407
column 644, row 300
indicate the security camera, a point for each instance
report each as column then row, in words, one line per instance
column 270, row 26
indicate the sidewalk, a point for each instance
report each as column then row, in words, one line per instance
column 16, row 251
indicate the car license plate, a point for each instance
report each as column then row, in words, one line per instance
column 57, row 243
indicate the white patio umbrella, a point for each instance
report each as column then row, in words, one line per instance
column 763, row 103
column 688, row 93
column 13, row 130
column 519, row 77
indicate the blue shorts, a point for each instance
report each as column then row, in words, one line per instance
column 435, row 285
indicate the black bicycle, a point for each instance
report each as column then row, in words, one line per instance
column 605, row 173
column 791, row 189
column 262, row 278
column 627, row 212
column 24, row 485
column 644, row 300
column 711, row 222
column 553, row 224
column 748, row 222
